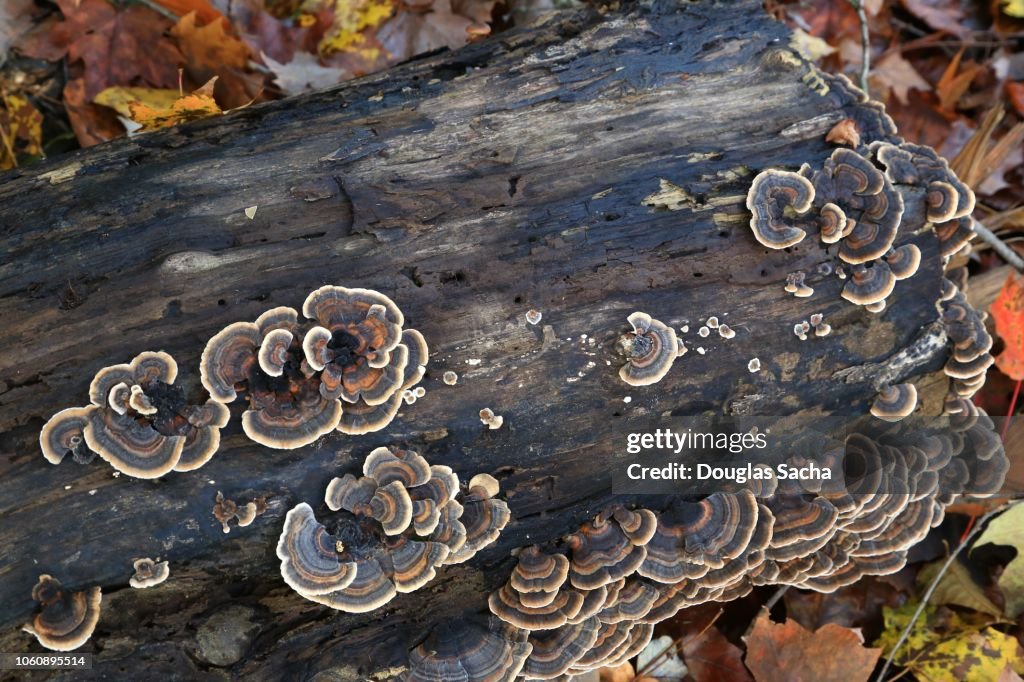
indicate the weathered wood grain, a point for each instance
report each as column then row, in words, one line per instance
column 469, row 187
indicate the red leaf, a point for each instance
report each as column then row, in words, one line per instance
column 1008, row 314
column 710, row 656
column 1015, row 93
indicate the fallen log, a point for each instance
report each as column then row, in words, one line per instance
column 585, row 169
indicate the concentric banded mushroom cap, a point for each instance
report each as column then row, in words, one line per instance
column 895, row 402
column 405, row 466
column 610, row 638
column 469, row 649
column 415, row 562
column 482, row 487
column 349, row 492
column 310, row 562
column 639, row 525
column 119, row 397
column 483, row 521
column 941, row 199
column 601, row 554
column 64, row 433
column 273, row 353
column 426, row 515
column 872, row 237
column 633, row 601
column 450, row 530
column 370, row 590
column 664, row 561
column 359, row 418
column 228, row 359
column 392, row 507
column 202, row 443
column 555, row 651
column 718, row 528
column 149, row 573
column 802, row 526
column 851, row 173
column 869, row 285
column 904, row 261
column 337, row 307
column 67, row 619
column 954, row 235
column 314, row 347
column 770, row 195
column 362, row 381
column 833, row 224
column 281, row 318
column 419, row 356
column 442, row 486
column 506, row 605
column 144, row 368
column 130, row 446
column 286, row 426
column 968, row 369
column 539, row 571
column 651, row 349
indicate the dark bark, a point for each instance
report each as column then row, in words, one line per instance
column 469, row 187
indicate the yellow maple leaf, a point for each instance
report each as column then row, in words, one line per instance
column 352, row 19
column 1014, row 8
column 21, row 131
column 192, row 107
column 120, row 99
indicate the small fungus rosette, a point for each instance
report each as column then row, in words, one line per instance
column 344, row 369
column 67, row 618
column 139, row 421
column 390, row 531
column 650, row 349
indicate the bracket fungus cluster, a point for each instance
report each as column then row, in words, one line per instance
column 67, row 618
column 138, row 421
column 856, row 201
column 347, row 368
column 393, row 527
column 650, row 349
column 592, row 599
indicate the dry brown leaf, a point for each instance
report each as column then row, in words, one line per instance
column 211, row 51
column 116, row 47
column 15, row 21
column 956, row 587
column 710, row 656
column 893, row 72
column 21, row 130
column 786, row 652
column 92, row 123
column 410, row 33
column 953, row 85
column 942, row 15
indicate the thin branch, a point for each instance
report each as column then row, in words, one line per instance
column 865, row 44
column 1000, row 247
column 776, row 597
column 935, row 583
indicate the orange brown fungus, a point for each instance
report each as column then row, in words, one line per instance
column 67, row 619
column 392, row 528
column 344, row 370
column 139, row 422
column 469, row 649
column 650, row 349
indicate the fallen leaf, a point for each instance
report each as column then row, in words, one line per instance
column 21, row 131
column 710, row 656
column 1008, row 314
column 192, row 107
column 1008, row 529
column 953, row 85
column 118, row 98
column 942, row 15
column 622, row 673
column 250, row 212
column 660, row 659
column 352, row 20
column 15, row 21
column 956, row 587
column 116, row 47
column 412, row 32
column 810, row 47
column 211, row 51
column 786, row 652
column 1015, row 93
column 92, row 123
column 944, row 646
column 1014, row 8
column 893, row 72
column 304, row 73
column 204, row 11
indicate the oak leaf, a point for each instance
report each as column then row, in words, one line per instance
column 895, row 73
column 786, row 652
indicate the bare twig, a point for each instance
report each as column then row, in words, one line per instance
column 935, row 583
column 997, row 244
column 865, row 45
column 776, row 597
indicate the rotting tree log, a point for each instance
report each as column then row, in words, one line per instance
column 469, row 187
